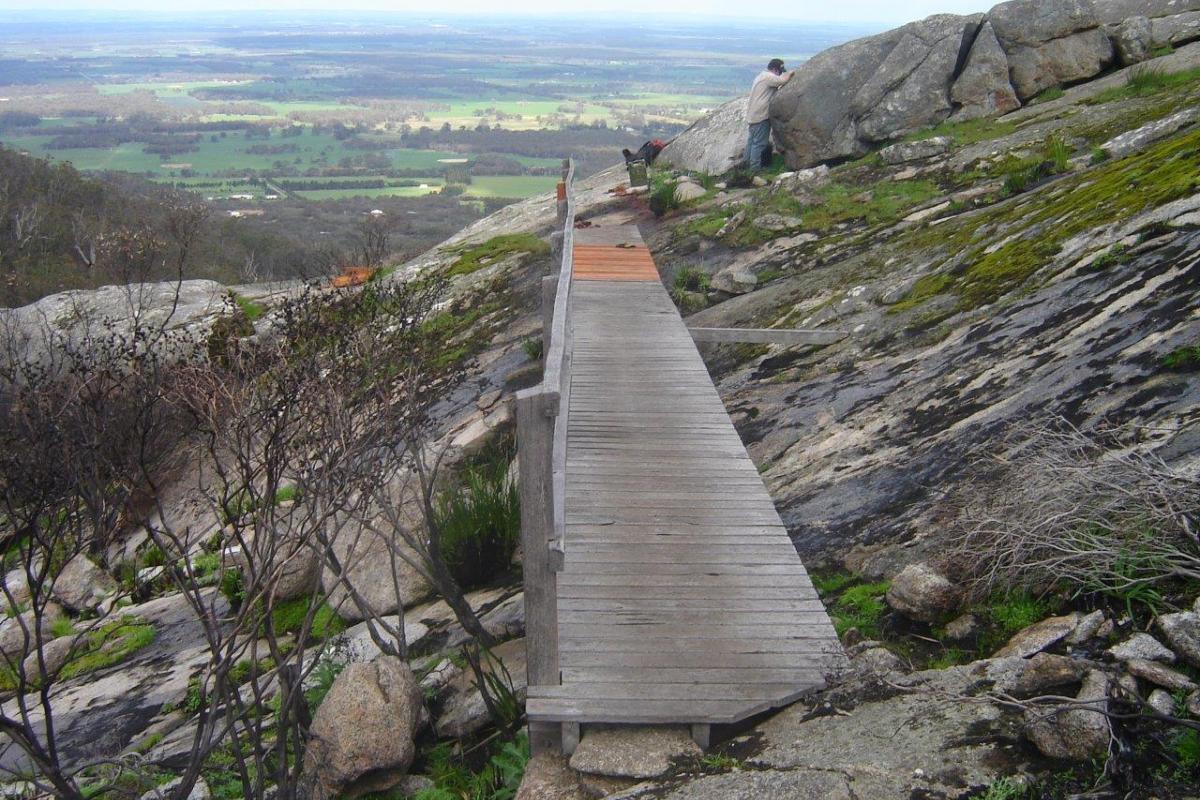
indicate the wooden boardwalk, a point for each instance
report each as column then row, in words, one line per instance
column 680, row 598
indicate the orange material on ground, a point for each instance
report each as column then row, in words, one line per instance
column 352, row 276
column 595, row 262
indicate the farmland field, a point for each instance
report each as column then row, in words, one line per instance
column 283, row 119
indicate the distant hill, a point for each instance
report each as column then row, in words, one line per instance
column 61, row 229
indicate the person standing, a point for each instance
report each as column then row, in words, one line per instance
column 758, row 113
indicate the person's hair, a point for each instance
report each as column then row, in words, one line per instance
column 775, row 64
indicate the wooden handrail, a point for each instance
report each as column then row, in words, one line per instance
column 542, row 447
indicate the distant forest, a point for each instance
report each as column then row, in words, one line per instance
column 61, row 229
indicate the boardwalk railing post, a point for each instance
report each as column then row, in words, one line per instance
column 561, row 206
column 536, row 410
column 549, row 289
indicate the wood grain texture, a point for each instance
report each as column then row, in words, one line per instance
column 681, row 597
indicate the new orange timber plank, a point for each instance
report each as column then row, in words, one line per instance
column 613, row 263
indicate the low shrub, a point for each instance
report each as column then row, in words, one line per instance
column 478, row 522
column 533, row 348
column 662, row 198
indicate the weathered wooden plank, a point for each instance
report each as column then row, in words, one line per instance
column 624, row 690
column 693, row 659
column 681, row 586
column 694, row 675
column 735, row 591
column 780, row 336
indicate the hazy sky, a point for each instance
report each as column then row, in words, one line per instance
column 888, row 11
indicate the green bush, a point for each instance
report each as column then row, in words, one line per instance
column 533, row 348
column 479, row 523
column 1006, row 614
column 289, row 616
column 1100, row 155
column 691, row 279
column 233, row 587
column 321, row 679
column 662, row 198
column 853, row 603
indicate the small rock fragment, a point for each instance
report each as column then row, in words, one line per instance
column 1182, row 631
column 633, row 752
column 1087, row 627
column 1074, row 733
column 1162, row 702
column 1143, row 646
column 1039, row 636
column 921, row 593
column 1159, row 675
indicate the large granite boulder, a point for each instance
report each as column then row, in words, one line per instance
column 386, row 583
column 869, row 90
column 982, row 88
column 715, row 143
column 1175, row 30
column 1050, row 43
column 1113, row 12
column 81, row 585
column 1133, row 39
column 361, row 739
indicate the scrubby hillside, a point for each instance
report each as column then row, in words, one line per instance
column 992, row 475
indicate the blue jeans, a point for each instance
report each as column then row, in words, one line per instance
column 756, row 142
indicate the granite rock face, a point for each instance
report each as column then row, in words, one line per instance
column 983, row 88
column 714, row 143
column 872, row 89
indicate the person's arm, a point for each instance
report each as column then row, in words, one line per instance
column 787, row 76
column 775, row 81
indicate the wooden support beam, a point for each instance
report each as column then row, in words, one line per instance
column 702, row 735
column 545, row 737
column 570, row 737
column 764, row 336
column 536, row 410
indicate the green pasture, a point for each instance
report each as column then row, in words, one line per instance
column 511, row 185
column 228, row 154
column 387, row 191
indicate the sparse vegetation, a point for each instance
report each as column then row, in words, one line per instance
column 479, row 521
column 472, row 258
column 1145, row 79
column 1046, row 95
column 967, row 132
column 1085, row 514
column 852, row 602
column 532, row 347
column 1182, row 359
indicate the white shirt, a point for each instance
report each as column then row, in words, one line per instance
column 758, row 106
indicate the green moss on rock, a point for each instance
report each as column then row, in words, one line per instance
column 472, row 258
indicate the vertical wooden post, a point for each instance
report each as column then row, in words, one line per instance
column 536, row 410
column 571, row 733
column 561, row 207
column 549, row 290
